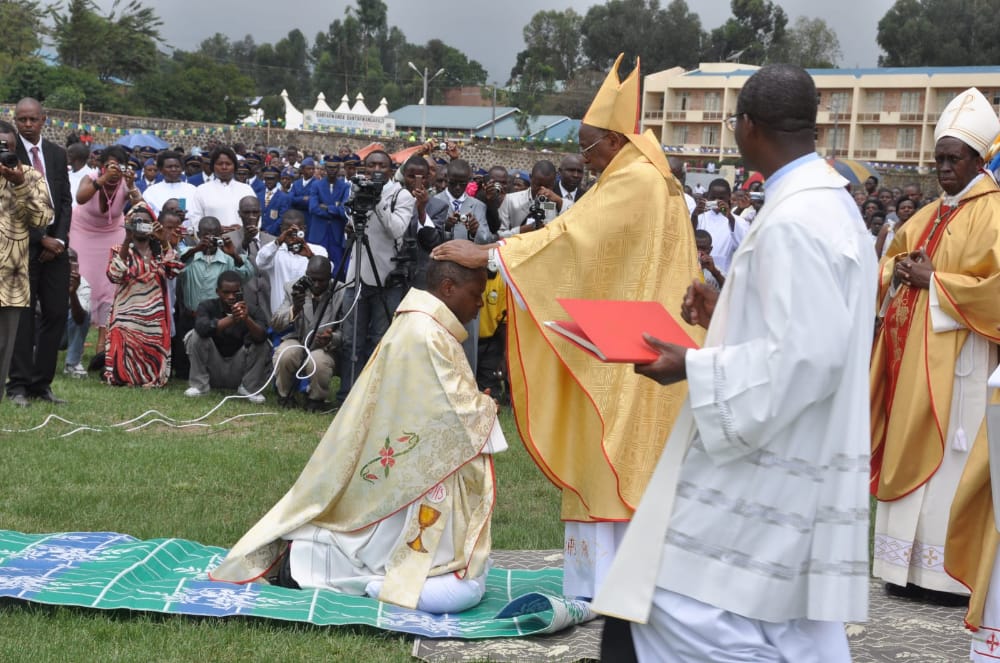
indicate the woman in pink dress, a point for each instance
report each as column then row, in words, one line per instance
column 99, row 224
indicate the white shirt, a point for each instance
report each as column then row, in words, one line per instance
column 724, row 240
column 76, row 176
column 218, row 199
column 41, row 156
column 158, row 194
column 281, row 266
column 569, row 197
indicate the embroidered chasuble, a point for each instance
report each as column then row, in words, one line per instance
column 913, row 367
column 596, row 430
column 410, row 433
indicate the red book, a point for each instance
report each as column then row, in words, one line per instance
column 612, row 330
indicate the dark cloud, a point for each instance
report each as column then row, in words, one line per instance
column 489, row 32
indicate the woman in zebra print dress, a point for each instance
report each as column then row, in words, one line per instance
column 137, row 351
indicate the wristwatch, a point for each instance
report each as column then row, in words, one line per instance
column 493, row 260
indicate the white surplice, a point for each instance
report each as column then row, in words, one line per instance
column 770, row 504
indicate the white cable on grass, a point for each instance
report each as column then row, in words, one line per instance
column 170, row 422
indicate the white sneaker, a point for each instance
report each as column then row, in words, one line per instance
column 77, row 371
column 194, row 392
column 253, row 398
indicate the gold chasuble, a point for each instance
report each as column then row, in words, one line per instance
column 973, row 539
column 913, row 368
column 412, row 429
column 596, row 430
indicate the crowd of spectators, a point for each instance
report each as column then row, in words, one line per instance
column 225, row 264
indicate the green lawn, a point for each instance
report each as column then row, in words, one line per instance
column 207, row 484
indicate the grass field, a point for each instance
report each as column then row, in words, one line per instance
column 206, row 484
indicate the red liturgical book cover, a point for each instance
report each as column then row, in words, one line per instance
column 612, row 330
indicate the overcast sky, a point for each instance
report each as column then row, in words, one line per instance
column 490, row 32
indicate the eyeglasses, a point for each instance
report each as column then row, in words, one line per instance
column 593, row 145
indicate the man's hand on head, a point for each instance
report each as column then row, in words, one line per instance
column 463, row 252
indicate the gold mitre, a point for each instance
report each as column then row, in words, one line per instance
column 616, row 106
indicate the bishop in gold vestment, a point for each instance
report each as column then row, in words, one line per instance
column 596, row 430
column 940, row 288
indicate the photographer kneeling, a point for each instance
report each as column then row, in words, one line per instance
column 381, row 211
column 310, row 307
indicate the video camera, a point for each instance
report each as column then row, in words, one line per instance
column 365, row 193
column 539, row 210
column 137, row 227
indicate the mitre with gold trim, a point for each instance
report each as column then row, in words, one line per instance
column 970, row 118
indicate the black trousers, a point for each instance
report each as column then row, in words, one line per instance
column 34, row 363
column 616, row 642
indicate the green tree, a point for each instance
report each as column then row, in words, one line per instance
column 811, row 43
column 662, row 37
column 755, row 34
column 190, row 86
column 552, row 39
column 942, row 33
column 122, row 44
column 21, row 30
column 59, row 87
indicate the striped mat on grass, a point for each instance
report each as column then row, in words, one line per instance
column 110, row 571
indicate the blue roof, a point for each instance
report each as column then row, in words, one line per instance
column 540, row 127
column 864, row 71
column 464, row 118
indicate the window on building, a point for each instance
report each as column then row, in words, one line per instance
column 943, row 98
column 710, row 135
column 837, row 137
column 840, row 102
column 682, row 100
column 680, row 134
column 906, row 138
column 713, row 101
column 875, row 100
column 909, row 102
column 996, row 97
column 870, row 138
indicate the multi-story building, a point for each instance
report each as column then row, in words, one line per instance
column 881, row 115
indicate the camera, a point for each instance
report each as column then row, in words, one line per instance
column 8, row 159
column 301, row 234
column 406, row 264
column 141, row 227
column 712, row 204
column 303, row 285
column 442, row 146
column 464, row 219
column 218, row 242
column 540, row 210
column 365, row 193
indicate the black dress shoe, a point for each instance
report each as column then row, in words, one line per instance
column 47, row 395
column 20, row 400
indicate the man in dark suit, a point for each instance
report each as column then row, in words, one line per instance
column 35, row 350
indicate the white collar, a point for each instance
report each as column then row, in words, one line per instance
column 951, row 201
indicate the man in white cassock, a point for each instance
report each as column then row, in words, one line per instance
column 396, row 501
column 751, row 541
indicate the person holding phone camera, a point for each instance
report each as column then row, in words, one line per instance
column 715, row 214
column 285, row 259
column 228, row 346
column 99, row 225
column 137, row 352
column 204, row 262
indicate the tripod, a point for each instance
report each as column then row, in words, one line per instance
column 355, row 251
